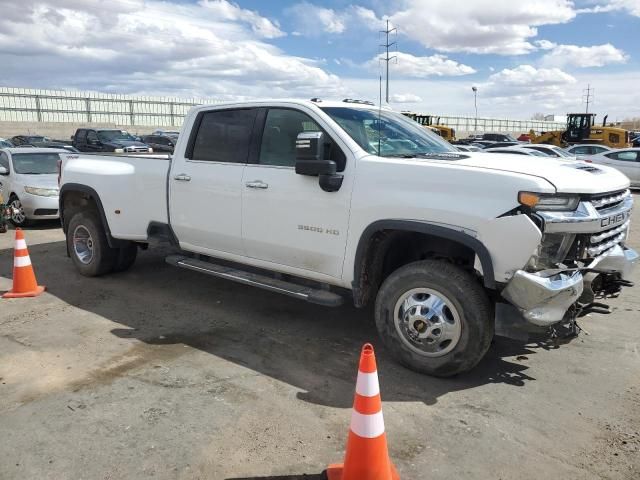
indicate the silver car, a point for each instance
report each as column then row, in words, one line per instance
column 29, row 183
column 627, row 160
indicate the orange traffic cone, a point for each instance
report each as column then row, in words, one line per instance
column 367, row 457
column 24, row 280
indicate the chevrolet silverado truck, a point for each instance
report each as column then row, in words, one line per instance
column 324, row 201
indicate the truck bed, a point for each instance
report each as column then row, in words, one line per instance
column 132, row 188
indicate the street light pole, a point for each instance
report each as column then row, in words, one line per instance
column 475, row 104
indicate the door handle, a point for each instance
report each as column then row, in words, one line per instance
column 183, row 177
column 257, row 184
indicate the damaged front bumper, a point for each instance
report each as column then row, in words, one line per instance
column 543, row 298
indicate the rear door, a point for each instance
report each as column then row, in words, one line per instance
column 628, row 162
column 287, row 219
column 205, row 182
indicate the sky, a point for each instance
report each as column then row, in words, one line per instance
column 534, row 56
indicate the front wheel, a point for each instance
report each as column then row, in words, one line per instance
column 434, row 317
column 18, row 217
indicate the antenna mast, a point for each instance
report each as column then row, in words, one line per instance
column 588, row 95
column 388, row 58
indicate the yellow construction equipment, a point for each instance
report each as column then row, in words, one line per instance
column 427, row 121
column 581, row 128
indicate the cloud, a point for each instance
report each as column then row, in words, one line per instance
column 405, row 98
column 630, row 6
column 312, row 20
column 210, row 48
column 420, row 67
column 501, row 27
column 545, row 44
column 528, row 85
column 573, row 55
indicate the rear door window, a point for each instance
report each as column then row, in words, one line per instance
column 624, row 156
column 223, row 136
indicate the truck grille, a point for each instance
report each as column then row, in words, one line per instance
column 603, row 241
column 609, row 200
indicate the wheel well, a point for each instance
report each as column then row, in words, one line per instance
column 75, row 200
column 387, row 250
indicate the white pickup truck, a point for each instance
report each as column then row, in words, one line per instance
column 324, row 200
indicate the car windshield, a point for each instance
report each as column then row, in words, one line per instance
column 509, row 138
column 4, row 143
column 562, row 152
column 111, row 135
column 387, row 134
column 37, row 139
column 35, row 163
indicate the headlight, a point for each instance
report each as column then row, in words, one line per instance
column 42, row 192
column 548, row 202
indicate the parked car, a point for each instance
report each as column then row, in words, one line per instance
column 550, row 150
column 516, row 150
column 168, row 133
column 29, row 183
column 524, row 137
column 468, row 148
column 499, row 137
column 587, row 149
column 159, row 143
column 635, row 142
column 39, row 141
column 4, row 143
column 107, row 140
column 302, row 188
column 627, row 160
column 489, row 144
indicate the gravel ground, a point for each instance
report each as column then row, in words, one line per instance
column 168, row 374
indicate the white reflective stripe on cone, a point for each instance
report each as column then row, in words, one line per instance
column 21, row 244
column 21, row 261
column 367, row 426
column 367, row 384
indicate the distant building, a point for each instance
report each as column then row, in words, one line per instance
column 556, row 118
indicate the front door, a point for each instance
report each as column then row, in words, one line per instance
column 628, row 162
column 205, row 183
column 287, row 219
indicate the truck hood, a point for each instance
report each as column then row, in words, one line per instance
column 568, row 176
column 45, row 180
column 125, row 143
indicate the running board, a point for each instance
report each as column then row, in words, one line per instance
column 311, row 295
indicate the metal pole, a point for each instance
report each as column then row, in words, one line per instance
column 475, row 104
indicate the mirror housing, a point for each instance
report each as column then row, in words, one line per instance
column 310, row 160
column 310, row 155
column 3, row 170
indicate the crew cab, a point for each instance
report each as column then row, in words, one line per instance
column 325, row 201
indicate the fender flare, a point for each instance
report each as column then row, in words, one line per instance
column 430, row 229
column 91, row 193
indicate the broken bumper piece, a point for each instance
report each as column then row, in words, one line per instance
column 543, row 299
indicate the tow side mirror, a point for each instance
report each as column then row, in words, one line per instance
column 310, row 160
column 4, row 171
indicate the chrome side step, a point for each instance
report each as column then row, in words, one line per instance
column 301, row 292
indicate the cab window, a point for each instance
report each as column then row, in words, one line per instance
column 281, row 129
column 224, row 136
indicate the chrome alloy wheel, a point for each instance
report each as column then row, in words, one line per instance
column 17, row 212
column 427, row 322
column 83, row 244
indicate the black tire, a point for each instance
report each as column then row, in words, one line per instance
column 467, row 297
column 103, row 256
column 26, row 222
column 126, row 257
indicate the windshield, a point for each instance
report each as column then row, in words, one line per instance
column 562, row 153
column 37, row 139
column 387, row 134
column 35, row 163
column 510, row 138
column 4, row 143
column 111, row 135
